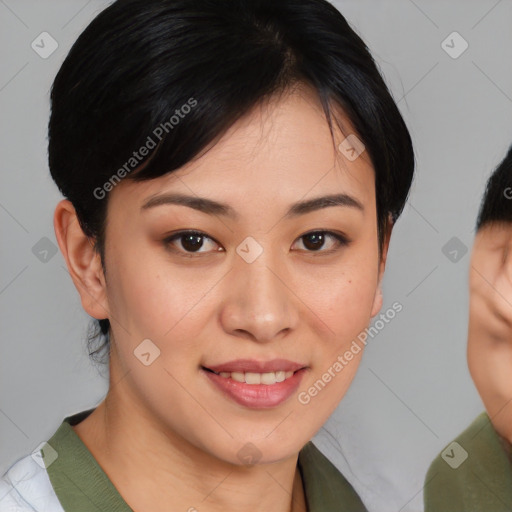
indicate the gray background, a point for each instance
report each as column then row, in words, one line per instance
column 413, row 392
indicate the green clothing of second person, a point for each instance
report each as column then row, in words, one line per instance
column 472, row 474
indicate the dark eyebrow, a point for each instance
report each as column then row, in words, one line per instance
column 317, row 203
column 212, row 207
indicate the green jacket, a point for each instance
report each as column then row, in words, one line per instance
column 73, row 481
column 472, row 474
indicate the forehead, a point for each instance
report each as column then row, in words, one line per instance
column 280, row 151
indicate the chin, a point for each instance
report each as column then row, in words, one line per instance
column 251, row 451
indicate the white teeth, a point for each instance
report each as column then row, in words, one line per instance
column 253, row 378
column 258, row 378
column 238, row 376
column 280, row 376
column 267, row 378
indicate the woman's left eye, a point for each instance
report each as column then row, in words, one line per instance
column 315, row 240
column 192, row 241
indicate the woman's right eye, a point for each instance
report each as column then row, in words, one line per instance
column 191, row 242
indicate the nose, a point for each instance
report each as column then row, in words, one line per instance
column 261, row 304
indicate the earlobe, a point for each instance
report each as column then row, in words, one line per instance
column 82, row 260
column 378, row 299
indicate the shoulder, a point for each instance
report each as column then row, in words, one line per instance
column 471, row 473
column 26, row 487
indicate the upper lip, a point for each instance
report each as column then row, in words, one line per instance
column 252, row 365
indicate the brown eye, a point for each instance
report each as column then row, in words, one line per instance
column 190, row 241
column 315, row 241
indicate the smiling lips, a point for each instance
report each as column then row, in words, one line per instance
column 257, row 384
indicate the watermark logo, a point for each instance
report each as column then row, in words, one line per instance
column 454, row 249
column 146, row 352
column 249, row 249
column 351, row 147
column 44, row 45
column 249, row 454
column 44, row 455
column 454, row 455
column 454, row 45
column 44, row 250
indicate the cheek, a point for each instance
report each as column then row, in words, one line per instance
column 155, row 299
column 343, row 299
column 348, row 316
column 140, row 295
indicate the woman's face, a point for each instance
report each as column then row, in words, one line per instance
column 256, row 293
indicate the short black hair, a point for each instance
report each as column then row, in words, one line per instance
column 496, row 205
column 187, row 70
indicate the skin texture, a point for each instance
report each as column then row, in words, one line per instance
column 164, row 434
column 490, row 323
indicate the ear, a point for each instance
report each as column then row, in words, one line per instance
column 377, row 301
column 83, row 262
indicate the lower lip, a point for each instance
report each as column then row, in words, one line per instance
column 257, row 396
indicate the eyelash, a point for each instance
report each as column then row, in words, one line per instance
column 341, row 241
